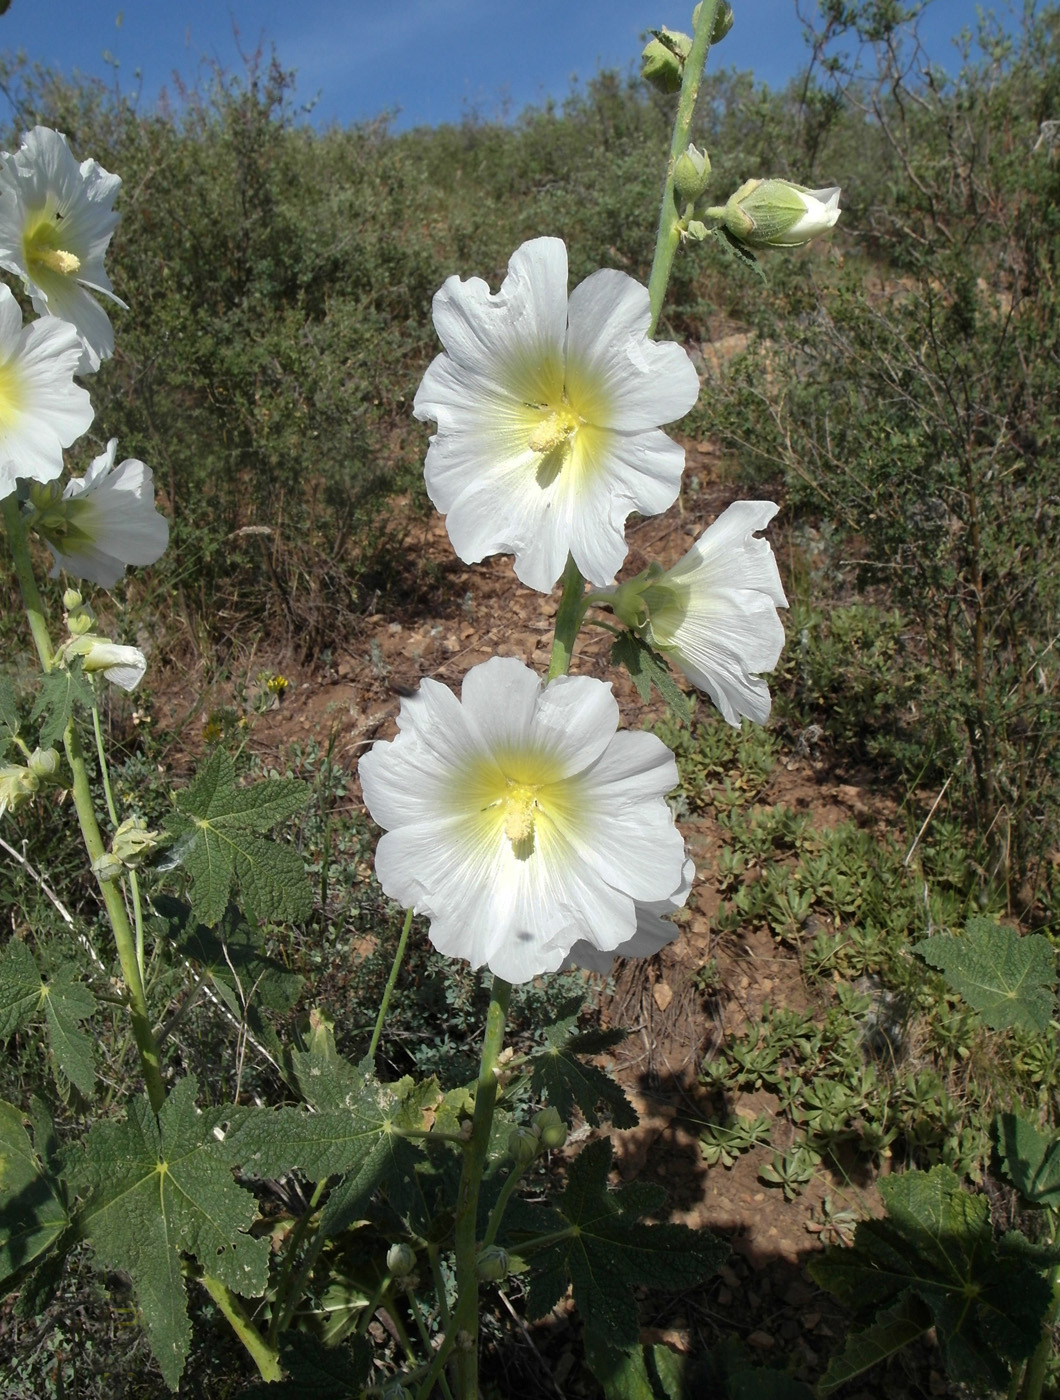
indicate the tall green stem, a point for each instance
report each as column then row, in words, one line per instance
column 86, row 815
column 669, row 235
column 464, row 1324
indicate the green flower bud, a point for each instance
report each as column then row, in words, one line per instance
column 492, row 1264
column 71, row 599
column 44, row 764
column 523, row 1145
column 107, row 867
column 551, row 1126
column 778, row 214
column 400, row 1260
column 132, row 841
column 723, row 19
column 17, row 786
column 691, row 175
column 663, row 61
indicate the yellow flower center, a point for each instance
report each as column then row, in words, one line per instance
column 519, row 805
column 553, row 439
column 40, row 244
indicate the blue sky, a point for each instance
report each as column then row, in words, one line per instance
column 432, row 59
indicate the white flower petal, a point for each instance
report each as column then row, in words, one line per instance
column 109, row 521
column 519, row 821
column 645, row 382
column 548, row 416
column 653, row 933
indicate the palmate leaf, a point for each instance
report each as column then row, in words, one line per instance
column 316, row 1372
column 159, row 1187
column 1008, row 978
column 892, row 1329
column 62, row 692
column 936, row 1245
column 10, row 723
column 32, row 1212
column 1031, row 1160
column 646, row 669
column 220, row 824
column 605, row 1251
column 562, row 1078
column 64, row 1001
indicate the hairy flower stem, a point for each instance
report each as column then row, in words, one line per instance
column 463, row 1328
column 399, row 958
column 669, row 235
column 86, row 816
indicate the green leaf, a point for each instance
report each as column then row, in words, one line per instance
column 220, row 825
column 62, row 692
column 1008, row 978
column 562, row 1078
column 1031, row 1160
column 32, row 1213
column 606, row 1252
column 20, row 987
column 645, row 1373
column 157, row 1188
column 647, row 668
column 937, row 1244
column 893, row 1329
column 64, row 1001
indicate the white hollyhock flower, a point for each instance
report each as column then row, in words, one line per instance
column 548, row 414
column 521, row 823
column 42, row 410
column 122, row 666
column 56, row 219
column 714, row 614
column 654, row 931
column 104, row 520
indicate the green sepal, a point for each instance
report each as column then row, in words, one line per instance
column 1008, row 978
column 158, row 1188
column 560, row 1077
column 739, row 251
column 605, row 1251
column 220, row 824
column 646, row 669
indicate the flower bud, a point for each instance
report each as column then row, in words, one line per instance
column 122, row 666
column 663, row 61
column 132, row 841
column 400, row 1260
column 523, row 1145
column 44, row 764
column 691, row 175
column 778, row 214
column 107, row 867
column 80, row 621
column 492, row 1264
column 551, row 1126
column 17, row 786
column 71, row 599
column 723, row 19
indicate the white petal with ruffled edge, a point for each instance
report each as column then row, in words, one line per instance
column 111, row 510
column 548, row 416
column 519, row 821
column 728, row 628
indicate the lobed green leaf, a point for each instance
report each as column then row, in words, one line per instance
column 32, row 1210
column 1008, row 978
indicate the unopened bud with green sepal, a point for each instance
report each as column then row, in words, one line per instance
column 551, row 1127
column 777, row 213
column 691, row 175
column 400, row 1260
column 44, row 764
column 723, row 19
column 17, row 786
column 493, row 1264
column 663, row 61
column 523, row 1145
